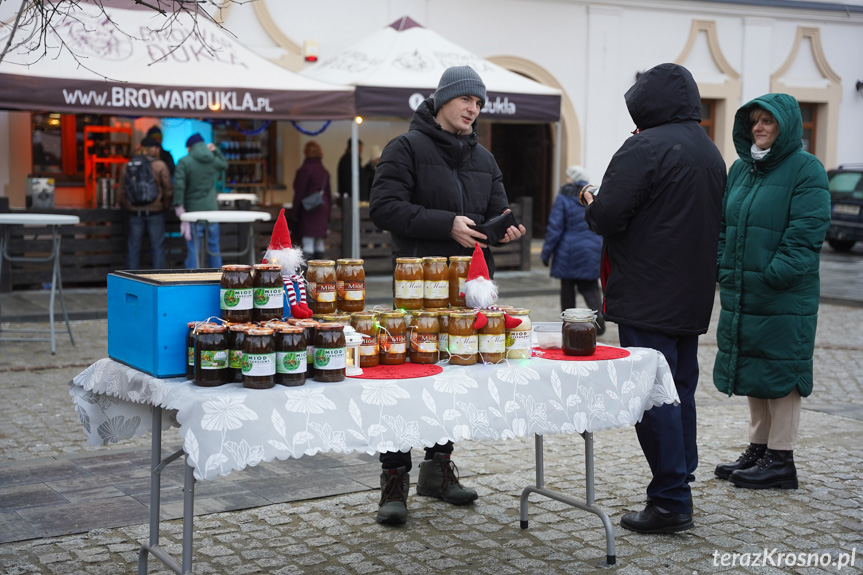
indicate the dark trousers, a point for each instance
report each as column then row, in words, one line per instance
column 589, row 290
column 396, row 459
column 154, row 225
column 667, row 433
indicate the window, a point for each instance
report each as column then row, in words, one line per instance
column 708, row 118
column 810, row 124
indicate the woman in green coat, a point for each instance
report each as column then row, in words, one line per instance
column 775, row 215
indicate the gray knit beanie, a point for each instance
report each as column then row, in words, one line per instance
column 458, row 81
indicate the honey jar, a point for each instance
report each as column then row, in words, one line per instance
column 259, row 358
column 391, row 338
column 366, row 325
column 290, row 355
column 268, row 295
column 518, row 339
column 236, row 288
column 331, row 356
column 321, row 277
column 350, row 285
column 211, row 355
column 463, row 340
column 579, row 331
column 408, row 277
column 492, row 337
column 435, row 282
column 424, row 332
column 456, row 275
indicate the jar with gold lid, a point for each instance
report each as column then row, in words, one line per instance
column 463, row 340
column 366, row 324
column 268, row 296
column 350, row 285
column 518, row 339
column 331, row 358
column 259, row 358
column 321, row 277
column 456, row 274
column 211, row 355
column 392, row 337
column 435, row 282
column 290, row 355
column 236, row 290
column 424, row 332
column 408, row 278
column 492, row 337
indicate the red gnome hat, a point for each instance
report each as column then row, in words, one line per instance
column 480, row 292
column 281, row 252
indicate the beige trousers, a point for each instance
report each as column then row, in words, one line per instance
column 775, row 421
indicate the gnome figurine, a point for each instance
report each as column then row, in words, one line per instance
column 282, row 253
column 480, row 292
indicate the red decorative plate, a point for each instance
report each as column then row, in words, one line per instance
column 405, row 371
column 603, row 352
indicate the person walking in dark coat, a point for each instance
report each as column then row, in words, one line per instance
column 658, row 210
column 312, row 227
column 345, row 169
column 572, row 248
column 156, row 133
column 431, row 185
column 775, row 216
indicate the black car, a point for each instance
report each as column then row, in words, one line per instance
column 846, row 207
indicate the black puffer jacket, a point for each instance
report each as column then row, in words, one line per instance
column 428, row 176
column 658, row 208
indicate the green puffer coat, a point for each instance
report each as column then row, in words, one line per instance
column 775, row 214
column 195, row 178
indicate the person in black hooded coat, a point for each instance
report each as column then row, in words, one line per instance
column 659, row 211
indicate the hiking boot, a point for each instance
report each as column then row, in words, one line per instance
column 395, row 484
column 749, row 457
column 439, row 478
column 774, row 469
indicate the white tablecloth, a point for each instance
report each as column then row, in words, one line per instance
column 229, row 427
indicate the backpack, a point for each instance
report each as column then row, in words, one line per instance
column 140, row 184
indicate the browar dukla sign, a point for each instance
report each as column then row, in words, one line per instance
column 129, row 62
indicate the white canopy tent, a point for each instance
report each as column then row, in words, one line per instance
column 394, row 69
column 137, row 62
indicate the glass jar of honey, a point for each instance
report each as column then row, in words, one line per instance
column 443, row 333
column 236, row 335
column 331, row 357
column 391, row 338
column 408, row 277
column 424, row 332
column 463, row 340
column 456, row 274
column 290, row 355
column 259, row 358
column 268, row 296
column 518, row 339
column 578, row 333
column 236, row 288
column 492, row 338
column 366, row 324
column 309, row 327
column 435, row 282
column 191, row 336
column 338, row 317
column 211, row 355
column 350, row 285
column 321, row 277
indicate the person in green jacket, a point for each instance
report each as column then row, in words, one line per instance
column 195, row 191
column 775, row 215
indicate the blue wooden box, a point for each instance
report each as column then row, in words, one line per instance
column 147, row 315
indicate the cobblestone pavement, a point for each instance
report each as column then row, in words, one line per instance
column 338, row 534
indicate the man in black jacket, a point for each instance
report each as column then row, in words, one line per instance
column 431, row 185
column 658, row 209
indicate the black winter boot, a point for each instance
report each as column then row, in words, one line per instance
column 749, row 457
column 439, row 478
column 774, row 469
column 395, row 484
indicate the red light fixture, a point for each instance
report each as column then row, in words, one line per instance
column 310, row 51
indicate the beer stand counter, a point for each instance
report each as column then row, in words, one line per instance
column 228, row 428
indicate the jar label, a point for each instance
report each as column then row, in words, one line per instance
column 235, row 299
column 352, row 291
column 463, row 344
column 370, row 349
column 443, row 341
column 269, row 298
column 322, row 292
column 331, row 358
column 235, row 359
column 291, row 362
column 409, row 289
column 257, row 364
column 492, row 343
column 519, row 339
column 461, row 282
column 424, row 342
column 393, row 343
column 190, row 355
column 436, row 289
column 214, row 359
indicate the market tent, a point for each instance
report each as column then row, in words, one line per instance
column 397, row 67
column 130, row 62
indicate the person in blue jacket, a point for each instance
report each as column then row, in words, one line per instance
column 573, row 249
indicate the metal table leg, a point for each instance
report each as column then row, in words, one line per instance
column 56, row 285
column 157, row 466
column 587, row 505
column 249, row 250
